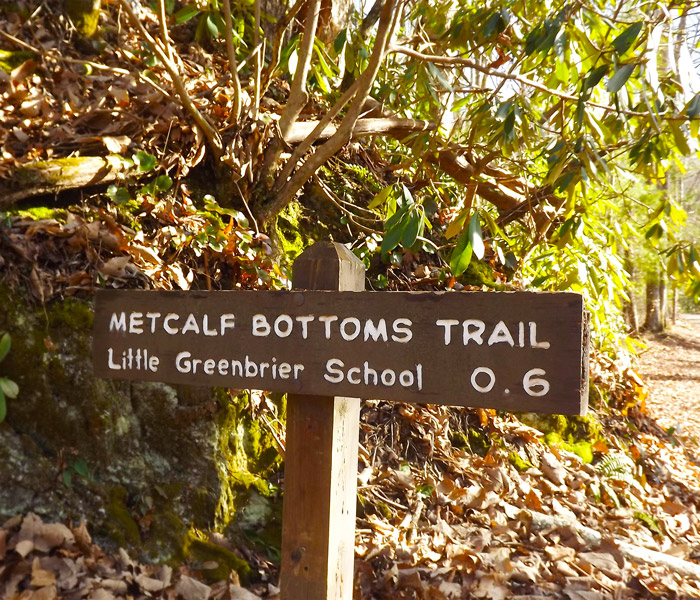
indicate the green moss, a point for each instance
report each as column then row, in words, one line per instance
column 363, row 176
column 40, row 212
column 573, row 434
column 121, row 525
column 520, row 463
column 474, row 440
column 85, row 15
column 72, row 314
column 215, row 561
column 288, row 229
column 10, row 60
column 247, row 456
column 478, row 273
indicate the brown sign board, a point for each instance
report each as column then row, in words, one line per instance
column 516, row 351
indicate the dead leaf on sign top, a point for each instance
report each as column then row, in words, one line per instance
column 116, row 266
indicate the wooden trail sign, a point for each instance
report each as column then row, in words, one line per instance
column 330, row 345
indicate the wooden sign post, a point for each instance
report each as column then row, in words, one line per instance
column 330, row 343
column 320, row 467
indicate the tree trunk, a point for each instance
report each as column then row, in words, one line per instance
column 654, row 313
column 630, row 307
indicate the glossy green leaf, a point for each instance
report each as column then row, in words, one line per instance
column 395, row 228
column 163, row 183
column 186, row 13
column 5, row 345
column 145, row 161
column 462, row 254
column 693, row 107
column 380, row 198
column 679, row 138
column 9, row 387
column 620, row 78
column 212, row 26
column 594, row 77
column 80, row 467
column 410, row 234
column 118, row 195
column 340, row 40
column 476, row 236
column 624, row 41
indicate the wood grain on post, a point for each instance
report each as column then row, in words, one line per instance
column 318, row 522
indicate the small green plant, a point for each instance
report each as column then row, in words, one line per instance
column 8, row 388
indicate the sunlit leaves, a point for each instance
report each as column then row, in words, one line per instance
column 693, row 107
column 144, row 161
column 624, row 41
column 620, row 78
column 469, row 243
column 118, row 195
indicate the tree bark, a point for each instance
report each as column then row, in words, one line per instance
column 654, row 310
column 630, row 307
column 58, row 175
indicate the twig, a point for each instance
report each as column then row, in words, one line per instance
column 630, row 551
column 232, row 67
column 333, row 198
column 247, row 207
column 163, row 22
column 277, row 44
column 120, row 71
column 385, row 30
column 465, row 62
column 297, row 94
column 316, row 133
column 257, row 65
column 19, row 42
column 211, row 135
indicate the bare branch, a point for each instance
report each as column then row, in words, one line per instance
column 465, row 62
column 395, row 127
column 257, row 65
column 297, row 94
column 315, row 134
column 232, row 66
column 163, row 22
column 277, row 44
column 387, row 22
column 212, row 136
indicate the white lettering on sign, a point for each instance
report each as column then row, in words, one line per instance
column 153, row 317
column 501, row 334
column 336, row 328
column 136, row 322
column 132, row 360
column 188, row 364
column 305, row 320
column 284, row 326
column 469, row 335
column 327, row 320
column 354, row 331
column 336, row 373
column 474, row 330
column 117, row 323
column 402, row 331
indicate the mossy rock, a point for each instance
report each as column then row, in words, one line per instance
column 145, row 463
column 573, row 434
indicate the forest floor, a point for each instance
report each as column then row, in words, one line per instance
column 519, row 517
column 671, row 368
